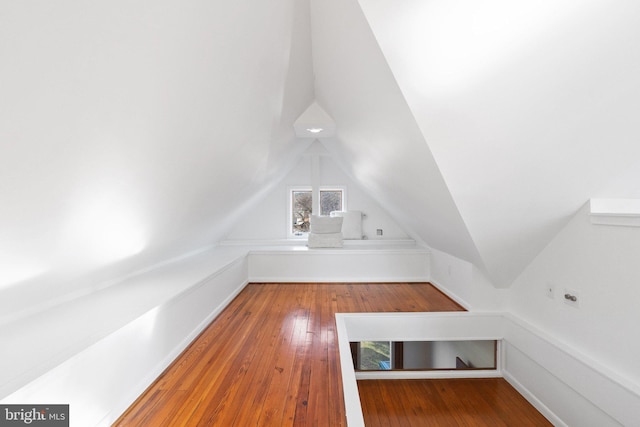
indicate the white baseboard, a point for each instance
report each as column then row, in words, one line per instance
column 451, row 295
column 345, row 279
column 156, row 371
column 537, row 403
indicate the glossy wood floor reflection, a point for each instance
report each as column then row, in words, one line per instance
column 271, row 357
column 481, row 402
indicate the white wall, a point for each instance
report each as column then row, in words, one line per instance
column 416, row 355
column 269, row 219
column 601, row 264
column 442, row 354
column 465, row 283
column 476, row 354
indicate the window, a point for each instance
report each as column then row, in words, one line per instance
column 424, row 355
column 301, row 206
column 377, row 355
column 374, row 355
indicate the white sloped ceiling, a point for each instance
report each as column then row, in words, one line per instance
column 134, row 132
column 525, row 110
column 378, row 142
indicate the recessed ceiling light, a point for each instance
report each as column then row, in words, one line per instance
column 315, row 130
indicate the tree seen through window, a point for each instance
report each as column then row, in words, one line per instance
column 302, row 206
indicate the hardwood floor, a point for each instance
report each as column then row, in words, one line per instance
column 490, row 402
column 271, row 358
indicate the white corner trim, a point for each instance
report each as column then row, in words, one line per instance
column 451, row 295
column 537, row 403
column 350, row 392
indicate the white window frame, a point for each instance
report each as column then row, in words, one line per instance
column 289, row 216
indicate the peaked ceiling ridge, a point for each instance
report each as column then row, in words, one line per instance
column 314, row 122
column 378, row 137
column 315, row 115
column 330, row 145
column 297, row 92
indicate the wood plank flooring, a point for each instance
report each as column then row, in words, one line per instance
column 271, row 358
column 489, row 402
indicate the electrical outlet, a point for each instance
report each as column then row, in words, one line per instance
column 571, row 297
column 550, row 290
column 379, row 231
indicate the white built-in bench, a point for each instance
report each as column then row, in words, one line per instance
column 357, row 261
column 98, row 352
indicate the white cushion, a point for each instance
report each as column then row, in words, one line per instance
column 327, row 240
column 351, row 224
column 325, row 224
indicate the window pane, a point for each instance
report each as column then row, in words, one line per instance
column 375, row 355
column 301, row 210
column 302, row 205
column 330, row 201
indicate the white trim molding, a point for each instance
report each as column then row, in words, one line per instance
column 348, row 264
column 620, row 212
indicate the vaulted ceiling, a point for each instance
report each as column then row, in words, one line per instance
column 483, row 126
column 134, row 132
